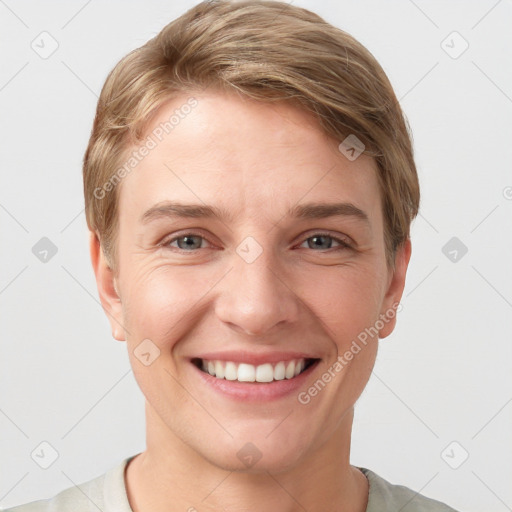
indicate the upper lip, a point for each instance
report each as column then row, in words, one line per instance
column 253, row 358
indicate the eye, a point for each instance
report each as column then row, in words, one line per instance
column 186, row 242
column 324, row 241
column 190, row 242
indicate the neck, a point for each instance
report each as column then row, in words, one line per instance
column 170, row 476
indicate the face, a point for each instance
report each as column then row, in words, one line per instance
column 249, row 248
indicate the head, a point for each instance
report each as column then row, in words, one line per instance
column 249, row 111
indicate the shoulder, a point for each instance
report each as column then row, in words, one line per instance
column 106, row 492
column 74, row 498
column 385, row 496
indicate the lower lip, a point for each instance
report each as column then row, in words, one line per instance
column 256, row 391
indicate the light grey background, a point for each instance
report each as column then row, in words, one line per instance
column 444, row 374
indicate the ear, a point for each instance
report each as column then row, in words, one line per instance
column 396, row 284
column 107, row 289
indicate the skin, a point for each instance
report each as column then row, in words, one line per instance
column 255, row 160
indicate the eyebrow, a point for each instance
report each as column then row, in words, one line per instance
column 171, row 209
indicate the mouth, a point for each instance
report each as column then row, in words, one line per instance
column 262, row 373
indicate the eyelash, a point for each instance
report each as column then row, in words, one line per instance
column 343, row 245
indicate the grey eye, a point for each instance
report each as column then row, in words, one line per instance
column 188, row 242
column 322, row 241
column 325, row 241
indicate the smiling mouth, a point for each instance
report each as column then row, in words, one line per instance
column 243, row 372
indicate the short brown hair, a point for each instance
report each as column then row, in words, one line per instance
column 269, row 51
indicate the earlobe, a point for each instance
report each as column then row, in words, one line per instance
column 391, row 302
column 107, row 287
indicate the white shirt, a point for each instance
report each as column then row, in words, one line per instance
column 107, row 493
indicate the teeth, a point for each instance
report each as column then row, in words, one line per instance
column 230, row 371
column 219, row 370
column 290, row 370
column 244, row 372
column 264, row 373
column 279, row 371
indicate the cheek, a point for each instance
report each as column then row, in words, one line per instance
column 158, row 307
column 162, row 302
column 346, row 300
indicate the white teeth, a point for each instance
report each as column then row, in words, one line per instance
column 230, row 372
column 219, row 370
column 298, row 367
column 290, row 370
column 244, row 372
column 264, row 373
column 279, row 371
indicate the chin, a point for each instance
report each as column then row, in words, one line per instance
column 257, row 454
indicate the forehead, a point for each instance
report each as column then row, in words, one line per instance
column 241, row 154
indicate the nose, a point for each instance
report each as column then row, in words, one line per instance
column 257, row 298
